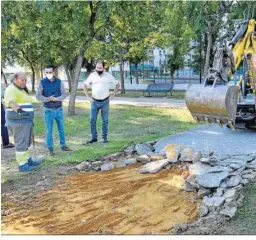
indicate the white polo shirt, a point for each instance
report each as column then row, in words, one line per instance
column 100, row 84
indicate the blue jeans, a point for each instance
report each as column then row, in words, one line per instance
column 51, row 114
column 95, row 107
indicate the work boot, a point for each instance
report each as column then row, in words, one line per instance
column 105, row 140
column 51, row 153
column 66, row 149
column 26, row 168
column 10, row 145
column 34, row 162
column 92, row 141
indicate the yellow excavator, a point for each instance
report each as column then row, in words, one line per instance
column 218, row 101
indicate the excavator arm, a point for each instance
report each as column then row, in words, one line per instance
column 215, row 101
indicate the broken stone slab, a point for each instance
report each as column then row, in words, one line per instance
column 198, row 168
column 229, row 200
column 156, row 156
column 230, row 193
column 218, row 169
column 143, row 158
column 211, row 180
column 162, row 152
column 213, row 161
column 219, row 192
column 202, row 192
column 244, row 182
column 235, row 166
column 130, row 161
column 213, row 201
column 192, row 180
column 231, row 160
column 238, row 187
column 188, row 187
column 247, row 158
column 223, row 185
column 186, row 155
column 149, row 146
column 82, row 166
column 203, row 210
column 129, row 150
column 142, row 149
column 120, row 164
column 154, row 167
column 240, row 199
column 237, row 172
column 248, row 171
column 112, row 156
column 96, row 164
column 172, row 152
column 249, row 176
column 196, row 156
column 230, row 212
column 250, row 166
column 152, row 143
column 253, row 162
column 107, row 166
column 205, row 160
column 233, row 181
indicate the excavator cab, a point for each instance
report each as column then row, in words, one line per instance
column 215, row 101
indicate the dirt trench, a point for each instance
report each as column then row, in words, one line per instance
column 120, row 201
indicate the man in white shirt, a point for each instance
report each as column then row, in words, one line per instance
column 100, row 81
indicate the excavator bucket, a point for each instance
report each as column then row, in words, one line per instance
column 213, row 103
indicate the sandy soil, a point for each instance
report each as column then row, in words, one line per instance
column 120, row 201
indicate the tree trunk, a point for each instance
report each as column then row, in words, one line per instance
column 208, row 51
column 33, row 78
column 3, row 74
column 74, row 83
column 38, row 75
column 172, row 76
column 122, row 77
column 130, row 68
column 68, row 77
column 121, row 71
column 136, row 73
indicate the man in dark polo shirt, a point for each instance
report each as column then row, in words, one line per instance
column 51, row 92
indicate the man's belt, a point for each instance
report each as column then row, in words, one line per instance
column 100, row 100
column 55, row 107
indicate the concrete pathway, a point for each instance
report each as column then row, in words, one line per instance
column 142, row 101
column 223, row 141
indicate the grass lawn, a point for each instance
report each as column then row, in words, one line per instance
column 127, row 125
column 176, row 94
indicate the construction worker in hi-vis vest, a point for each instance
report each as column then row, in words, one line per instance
column 19, row 120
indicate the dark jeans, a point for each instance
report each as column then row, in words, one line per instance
column 4, row 131
column 95, row 107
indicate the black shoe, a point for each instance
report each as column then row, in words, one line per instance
column 66, row 149
column 10, row 145
column 51, row 153
column 92, row 141
column 105, row 141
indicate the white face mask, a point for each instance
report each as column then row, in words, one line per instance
column 49, row 76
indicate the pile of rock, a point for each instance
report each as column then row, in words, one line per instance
column 139, row 153
column 217, row 181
